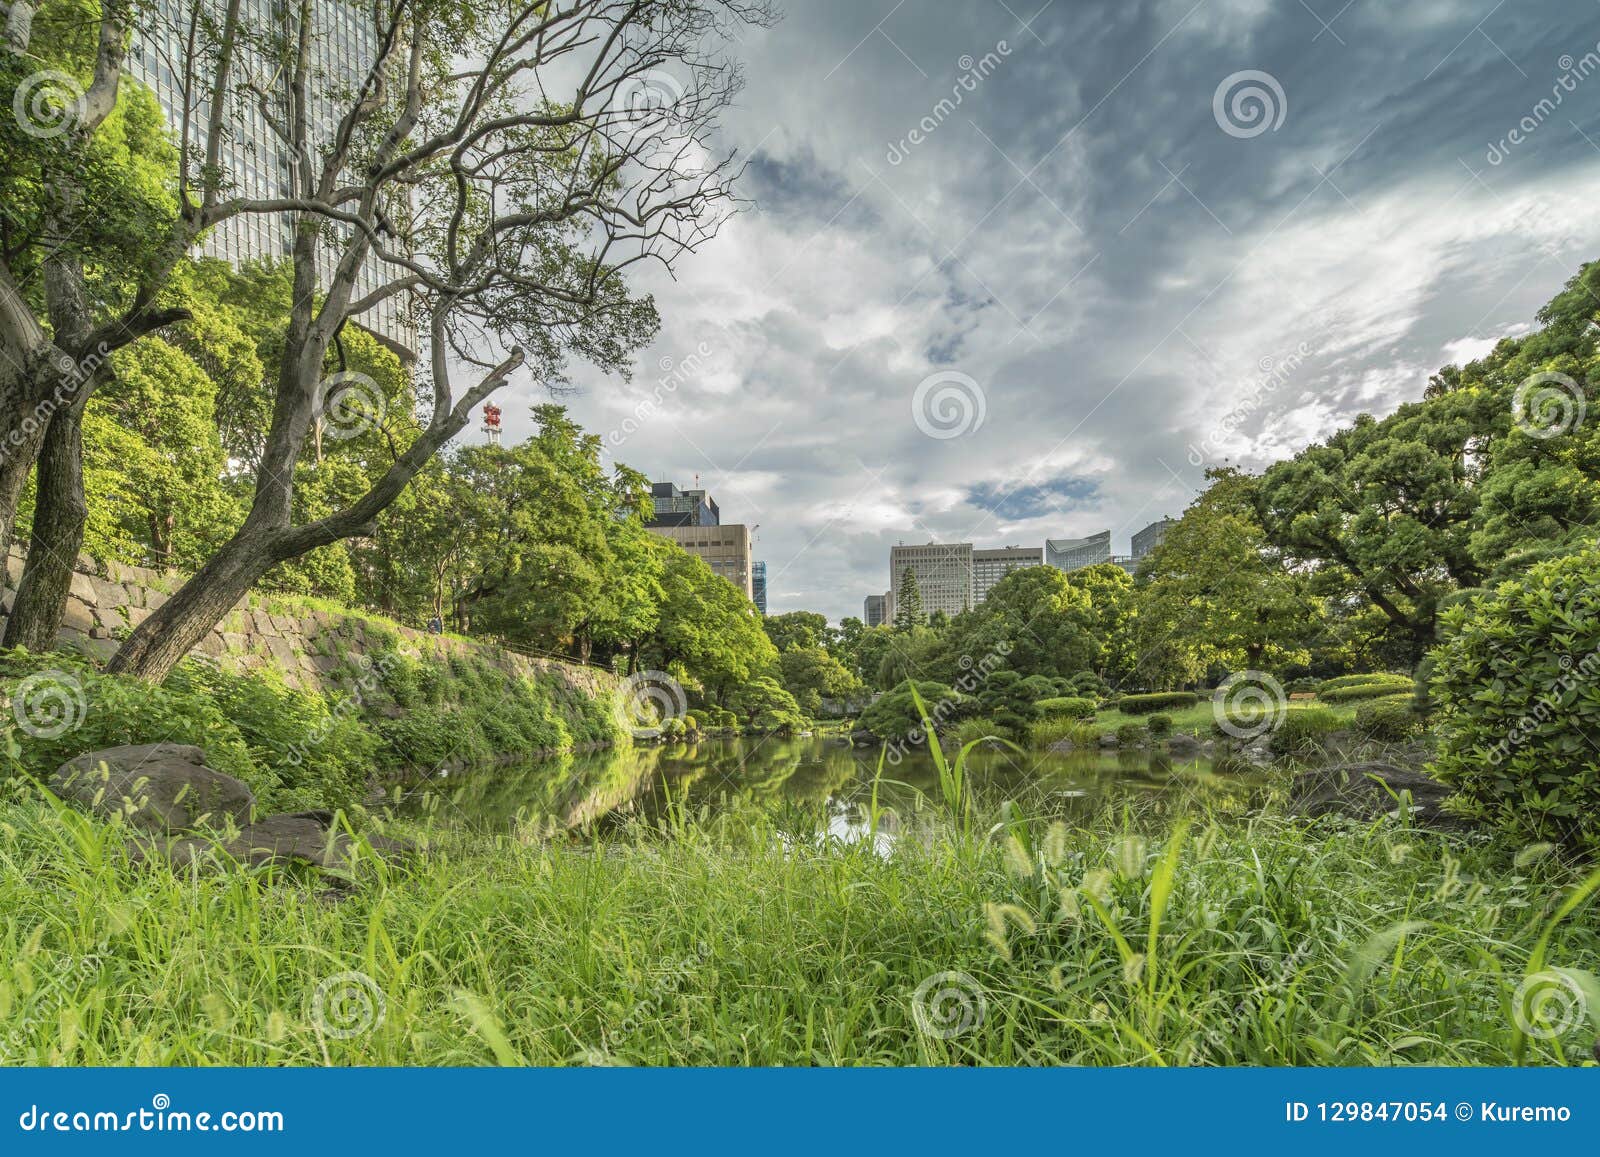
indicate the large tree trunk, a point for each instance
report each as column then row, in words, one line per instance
column 161, row 641
column 58, row 520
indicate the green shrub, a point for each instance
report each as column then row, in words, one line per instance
column 1302, row 732
column 673, row 728
column 893, row 715
column 1303, row 685
column 1087, row 685
column 1159, row 726
column 1517, row 702
column 1341, row 681
column 690, row 723
column 1390, row 720
column 1131, row 734
column 1156, row 701
column 1355, row 692
column 1069, row 705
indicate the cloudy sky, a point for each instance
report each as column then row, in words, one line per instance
column 1017, row 272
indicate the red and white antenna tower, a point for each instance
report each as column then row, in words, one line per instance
column 491, row 424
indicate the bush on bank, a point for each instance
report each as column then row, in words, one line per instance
column 1516, row 692
column 295, row 749
column 1155, row 701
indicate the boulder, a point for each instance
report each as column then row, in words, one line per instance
column 1367, row 791
column 157, row 787
column 1108, row 739
column 1182, row 743
column 304, row 837
column 862, row 738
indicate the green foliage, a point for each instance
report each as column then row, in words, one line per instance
column 1155, row 701
column 908, row 611
column 1516, row 684
column 1007, row 702
column 797, row 630
column 1131, row 735
column 1282, row 944
column 1216, row 593
column 1304, row 732
column 1385, row 677
column 1159, row 726
column 1034, row 619
column 1081, row 733
column 811, row 675
column 894, row 714
column 294, row 750
column 1378, row 689
column 1390, row 720
column 1067, row 705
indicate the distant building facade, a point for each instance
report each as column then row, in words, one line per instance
column 758, row 585
column 676, row 507
column 875, row 611
column 991, row 565
column 726, row 550
column 343, row 44
column 1150, row 537
column 1075, row 553
column 944, row 574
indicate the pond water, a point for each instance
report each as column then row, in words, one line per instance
column 821, row 781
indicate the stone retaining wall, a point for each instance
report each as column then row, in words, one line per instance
column 304, row 644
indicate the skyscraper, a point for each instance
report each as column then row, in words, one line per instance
column 676, row 507
column 758, row 585
column 726, row 550
column 255, row 160
column 1073, row 553
column 990, row 566
column 943, row 571
column 1150, row 537
column 875, row 610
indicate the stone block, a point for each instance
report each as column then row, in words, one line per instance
column 83, row 588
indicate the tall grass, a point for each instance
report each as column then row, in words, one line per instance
column 725, row 940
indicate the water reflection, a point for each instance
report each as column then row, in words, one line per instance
column 817, row 784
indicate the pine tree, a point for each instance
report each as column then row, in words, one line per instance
column 908, row 603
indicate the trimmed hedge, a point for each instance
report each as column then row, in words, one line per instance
column 1069, row 705
column 1359, row 680
column 1156, row 701
column 1356, row 692
column 1390, row 720
column 1160, row 726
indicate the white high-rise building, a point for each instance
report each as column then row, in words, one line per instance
column 255, row 161
column 944, row 574
column 991, row 565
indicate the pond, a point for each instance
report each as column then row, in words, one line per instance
column 819, row 777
